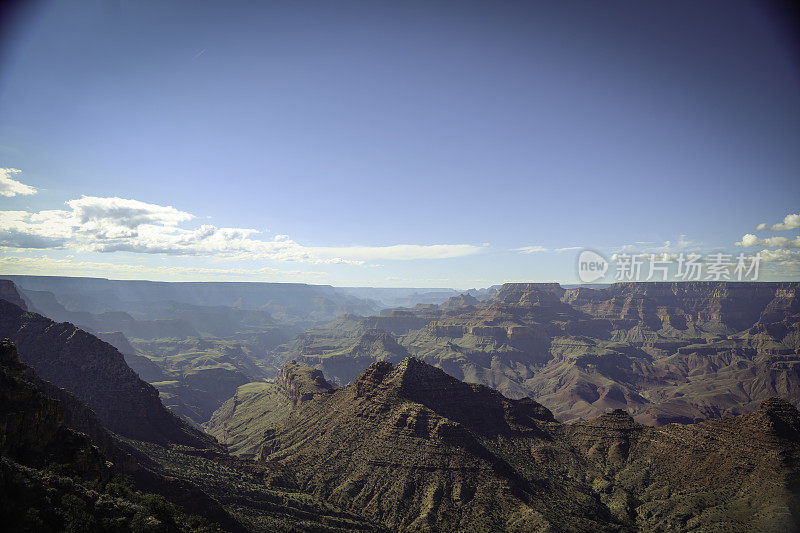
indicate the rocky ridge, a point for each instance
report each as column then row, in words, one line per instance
column 96, row 373
column 414, row 448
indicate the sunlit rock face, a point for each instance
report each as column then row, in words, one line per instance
column 664, row 352
column 413, row 448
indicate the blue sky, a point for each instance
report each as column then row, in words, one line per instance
column 393, row 143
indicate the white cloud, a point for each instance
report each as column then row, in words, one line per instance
column 789, row 222
column 770, row 242
column 11, row 187
column 530, row 249
column 94, row 211
column 781, row 264
column 95, row 224
column 45, row 229
column 539, row 249
column 780, row 256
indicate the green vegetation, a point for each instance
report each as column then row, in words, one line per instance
column 241, row 422
column 262, row 497
column 51, row 500
column 200, row 373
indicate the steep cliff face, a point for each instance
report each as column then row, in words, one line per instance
column 32, row 429
column 722, row 305
column 784, row 306
column 96, row 373
column 300, row 384
column 414, row 448
column 9, row 293
column 529, row 294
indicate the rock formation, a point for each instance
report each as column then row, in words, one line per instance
column 665, row 352
column 96, row 373
column 414, row 448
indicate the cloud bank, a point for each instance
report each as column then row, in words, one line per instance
column 10, row 187
column 770, row 242
column 95, row 224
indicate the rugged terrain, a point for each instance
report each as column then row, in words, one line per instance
column 243, row 420
column 61, row 469
column 405, row 445
column 96, row 373
column 664, row 352
column 416, row 449
column 197, row 342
